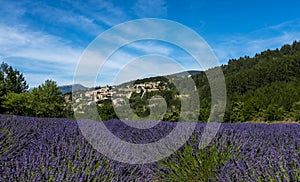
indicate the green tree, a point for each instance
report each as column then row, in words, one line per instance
column 172, row 116
column 295, row 111
column 285, row 49
column 237, row 114
column 47, row 100
column 274, row 113
column 2, row 83
column 204, row 111
column 11, row 80
column 106, row 111
column 18, row 104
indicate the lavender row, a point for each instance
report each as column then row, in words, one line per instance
column 44, row 149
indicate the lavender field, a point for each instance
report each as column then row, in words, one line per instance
column 48, row 149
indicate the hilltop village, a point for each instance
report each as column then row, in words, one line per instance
column 115, row 93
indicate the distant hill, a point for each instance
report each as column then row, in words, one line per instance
column 161, row 78
column 185, row 73
column 68, row 88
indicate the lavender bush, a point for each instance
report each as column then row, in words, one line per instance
column 44, row 149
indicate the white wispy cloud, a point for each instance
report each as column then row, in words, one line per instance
column 152, row 47
column 291, row 25
column 89, row 16
column 38, row 52
column 153, row 8
column 147, row 65
column 127, row 42
column 67, row 18
column 11, row 11
column 101, row 11
column 41, row 54
column 56, row 57
column 272, row 37
column 18, row 42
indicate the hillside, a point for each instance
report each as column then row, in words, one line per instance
column 265, row 87
column 68, row 88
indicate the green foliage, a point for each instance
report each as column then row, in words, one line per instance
column 18, row 104
column 274, row 113
column 190, row 164
column 171, row 116
column 44, row 101
column 68, row 111
column 140, row 105
column 106, row 111
column 152, row 79
column 295, row 111
column 47, row 100
column 11, row 80
column 237, row 112
column 266, row 85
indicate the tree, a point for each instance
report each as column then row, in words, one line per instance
column 2, row 83
column 295, row 111
column 285, row 49
column 18, row 104
column 237, row 112
column 106, row 111
column 274, row 113
column 48, row 100
column 11, row 80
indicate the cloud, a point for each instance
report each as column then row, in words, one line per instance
column 272, row 37
column 36, row 45
column 102, row 11
column 90, row 17
column 152, row 47
column 67, row 18
column 38, row 53
column 153, row 8
column 126, row 64
column 118, row 47
column 147, row 65
column 292, row 25
column 11, row 11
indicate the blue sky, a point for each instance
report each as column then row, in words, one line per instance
column 45, row 39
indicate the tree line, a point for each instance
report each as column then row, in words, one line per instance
column 45, row 100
